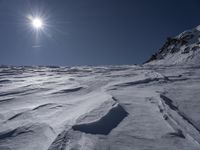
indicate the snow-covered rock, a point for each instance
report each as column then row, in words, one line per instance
column 182, row 49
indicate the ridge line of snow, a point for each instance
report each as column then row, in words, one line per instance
column 172, row 115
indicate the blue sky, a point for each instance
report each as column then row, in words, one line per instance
column 91, row 32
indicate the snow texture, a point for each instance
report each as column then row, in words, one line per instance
column 105, row 107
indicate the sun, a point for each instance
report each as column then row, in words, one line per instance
column 37, row 23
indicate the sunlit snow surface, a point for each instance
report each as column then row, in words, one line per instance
column 100, row 108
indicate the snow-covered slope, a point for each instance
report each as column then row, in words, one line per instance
column 182, row 49
column 100, row 108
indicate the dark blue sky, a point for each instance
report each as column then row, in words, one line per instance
column 91, row 32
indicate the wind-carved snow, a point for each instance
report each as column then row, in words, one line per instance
column 105, row 107
column 100, row 120
column 105, row 124
column 181, row 123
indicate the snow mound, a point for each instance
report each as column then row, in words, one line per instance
column 33, row 135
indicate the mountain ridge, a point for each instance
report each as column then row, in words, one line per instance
column 181, row 49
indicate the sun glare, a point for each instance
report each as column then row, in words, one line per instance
column 37, row 23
